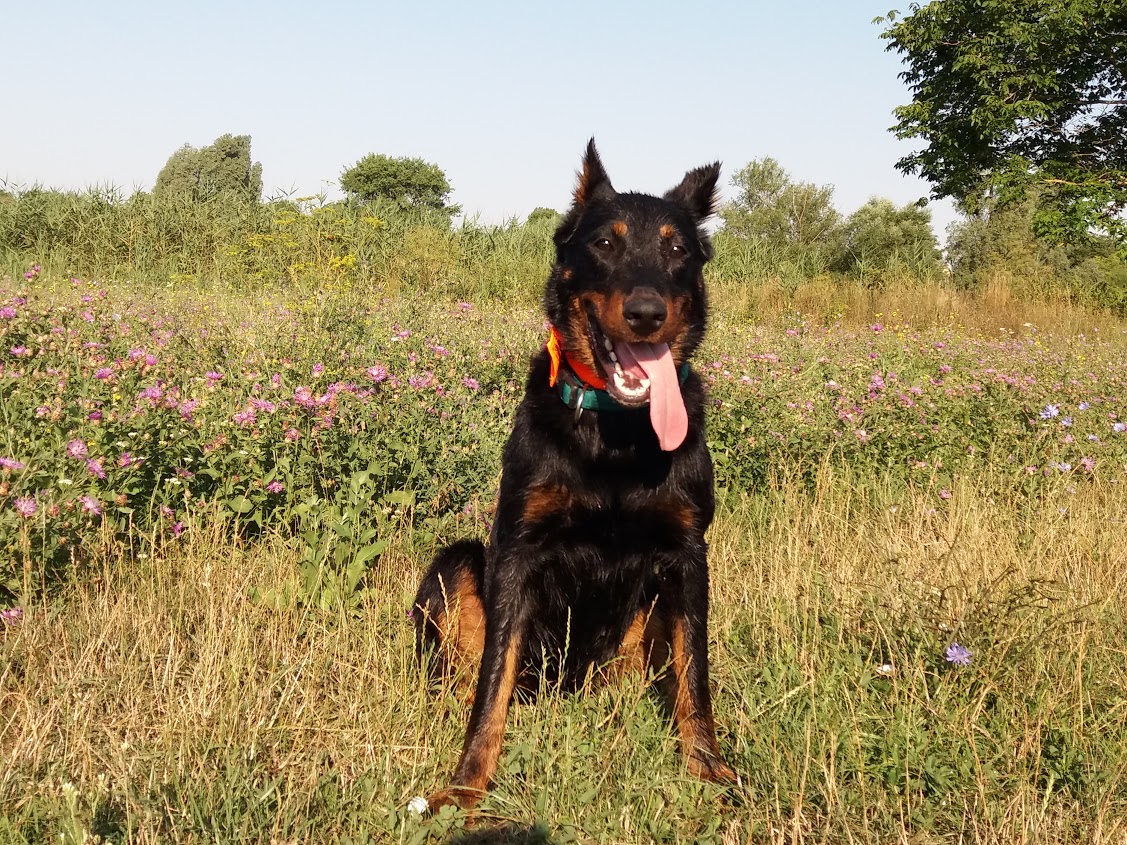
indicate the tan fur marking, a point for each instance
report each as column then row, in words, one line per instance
column 545, row 501
column 566, row 274
column 619, row 228
column 461, row 623
column 667, row 231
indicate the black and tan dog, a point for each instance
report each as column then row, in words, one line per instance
column 597, row 550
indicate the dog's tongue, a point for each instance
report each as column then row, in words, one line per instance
column 667, row 408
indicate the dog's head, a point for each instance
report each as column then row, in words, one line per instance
column 626, row 292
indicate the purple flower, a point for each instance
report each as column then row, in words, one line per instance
column 471, row 383
column 438, row 350
column 11, row 463
column 1066, row 422
column 11, row 615
column 959, row 655
column 177, row 529
column 20, row 351
column 465, row 306
column 25, row 506
column 1050, row 411
column 1088, row 463
column 944, row 494
column 246, row 417
column 94, row 466
column 212, row 376
column 103, row 373
column 275, row 487
column 1083, row 406
column 7, row 312
column 1119, row 426
column 76, row 449
column 377, row 373
column 90, row 505
column 292, row 434
column 318, row 369
column 126, row 459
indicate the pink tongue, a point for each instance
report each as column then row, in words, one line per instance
column 667, row 408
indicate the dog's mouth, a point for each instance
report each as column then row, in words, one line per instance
column 638, row 373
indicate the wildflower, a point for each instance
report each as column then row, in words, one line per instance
column 944, row 494
column 438, row 350
column 318, row 369
column 25, row 506
column 1119, row 426
column 11, row 616
column 885, row 669
column 292, row 434
column 246, row 417
column 1066, row 422
column 11, row 463
column 465, row 306
column 1087, row 463
column 90, row 505
column 959, row 655
column 1050, row 411
column 76, row 449
column 7, row 312
column 212, row 376
column 1083, row 406
column 862, row 435
column 33, row 272
column 94, row 467
column 471, row 383
column 275, row 487
column 377, row 373
column 177, row 529
column 20, row 351
column 126, row 459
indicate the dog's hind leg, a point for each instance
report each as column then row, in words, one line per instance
column 448, row 611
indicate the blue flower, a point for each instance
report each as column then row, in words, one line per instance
column 1050, row 411
column 959, row 655
column 1066, row 422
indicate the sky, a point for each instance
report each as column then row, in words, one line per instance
column 502, row 96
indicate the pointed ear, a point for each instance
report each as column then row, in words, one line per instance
column 697, row 191
column 593, row 180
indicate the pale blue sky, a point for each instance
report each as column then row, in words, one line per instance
column 502, row 96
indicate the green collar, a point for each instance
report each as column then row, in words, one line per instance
column 582, row 398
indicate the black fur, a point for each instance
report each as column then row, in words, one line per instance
column 597, row 529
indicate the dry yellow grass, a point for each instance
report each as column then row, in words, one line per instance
column 177, row 708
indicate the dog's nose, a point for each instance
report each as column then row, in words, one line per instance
column 644, row 311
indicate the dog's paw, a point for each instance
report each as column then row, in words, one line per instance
column 454, row 796
column 712, row 768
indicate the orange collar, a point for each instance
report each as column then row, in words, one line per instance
column 557, row 352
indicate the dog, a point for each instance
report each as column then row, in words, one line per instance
column 597, row 553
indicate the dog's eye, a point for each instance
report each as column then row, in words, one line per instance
column 604, row 245
column 678, row 250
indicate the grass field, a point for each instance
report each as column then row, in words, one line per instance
column 214, row 508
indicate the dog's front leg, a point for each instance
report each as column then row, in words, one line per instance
column 687, row 683
column 495, row 682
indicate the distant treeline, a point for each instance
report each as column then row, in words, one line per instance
column 397, row 232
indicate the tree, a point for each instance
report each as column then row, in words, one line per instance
column 1012, row 95
column 407, row 182
column 542, row 214
column 879, row 235
column 223, row 167
column 778, row 212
